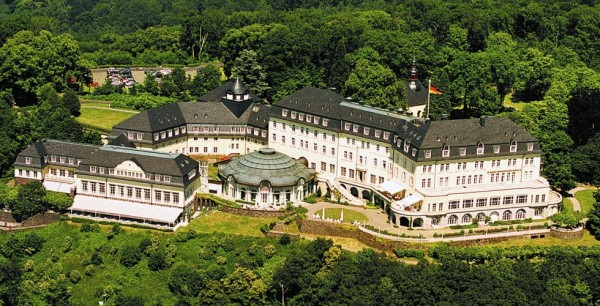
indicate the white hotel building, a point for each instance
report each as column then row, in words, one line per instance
column 423, row 173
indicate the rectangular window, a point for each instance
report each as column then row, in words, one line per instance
column 28, row 160
column 130, row 192
column 176, row 198
column 157, row 195
column 93, row 169
column 366, row 131
column 121, row 191
column 147, row 194
column 482, row 202
column 453, row 204
column 93, row 187
column 343, row 171
column 167, row 178
column 102, row 188
column 494, row 201
column 325, row 122
column 377, row 133
column 112, row 189
column 355, row 128
column 309, row 118
column 530, row 147
column 386, row 135
column 323, row 166
column 496, row 149
column 332, row 168
column 294, row 114
column 463, row 151
column 53, row 158
column 347, row 126
column 102, row 169
column 139, row 136
column 521, row 199
column 71, row 161
column 167, row 197
column 468, row 203
column 508, row 200
column 157, row 177
column 428, row 154
column 284, row 112
column 84, row 186
column 63, row 159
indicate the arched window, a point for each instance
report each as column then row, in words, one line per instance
column 406, row 145
column 481, row 217
column 435, row 221
column 513, row 146
column 520, row 214
column 452, row 220
column 538, row 212
column 446, row 151
column 466, row 219
column 507, row 215
column 480, row 148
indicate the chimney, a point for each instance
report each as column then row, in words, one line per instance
column 482, row 120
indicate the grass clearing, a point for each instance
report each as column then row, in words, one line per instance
column 586, row 200
column 568, row 205
column 349, row 215
column 101, row 117
column 349, row 244
column 217, row 221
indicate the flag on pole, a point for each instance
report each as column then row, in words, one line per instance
column 433, row 90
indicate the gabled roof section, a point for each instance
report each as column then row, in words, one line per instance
column 45, row 147
column 150, row 161
column 155, row 119
column 315, row 101
column 212, row 113
column 238, row 88
column 371, row 116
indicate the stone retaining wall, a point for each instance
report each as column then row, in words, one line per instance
column 254, row 212
column 566, row 234
column 339, row 230
column 7, row 220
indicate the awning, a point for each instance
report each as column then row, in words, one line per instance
column 142, row 212
column 408, row 201
column 391, row 186
column 58, row 186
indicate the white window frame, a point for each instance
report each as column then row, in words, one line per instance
column 513, row 146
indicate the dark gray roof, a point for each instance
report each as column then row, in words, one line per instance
column 312, row 100
column 46, row 147
column 371, row 116
column 121, row 141
column 418, row 96
column 211, row 113
column 259, row 115
column 467, row 133
column 266, row 165
column 155, row 119
column 150, row 161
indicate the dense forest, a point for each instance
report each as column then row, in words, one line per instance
column 484, row 56
column 81, row 264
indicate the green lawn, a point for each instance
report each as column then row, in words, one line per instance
column 349, row 215
column 586, row 200
column 568, row 205
column 217, row 221
column 98, row 115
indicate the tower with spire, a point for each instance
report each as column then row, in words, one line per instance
column 237, row 98
column 416, row 93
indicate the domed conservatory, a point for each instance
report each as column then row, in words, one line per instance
column 267, row 178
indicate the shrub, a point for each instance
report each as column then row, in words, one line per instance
column 285, row 239
column 311, row 199
column 402, row 253
column 145, row 243
column 130, row 256
column 89, row 270
column 88, row 227
column 75, row 276
column 221, row 260
column 156, row 261
column 96, row 259
column 270, row 250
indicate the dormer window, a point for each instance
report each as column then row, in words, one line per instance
column 93, row 169
column 28, row 160
column 156, row 136
column 367, row 131
column 167, row 178
column 183, row 130
column 406, row 145
column 157, row 177
column 229, row 96
column 101, row 170
column 284, row 112
column 163, row 135
column 414, row 152
column 309, row 118
column 480, row 148
column 294, row 114
column 325, row 122
column 377, row 133
column 176, row 131
column 53, row 158
column 463, row 151
column 71, row 161
column 130, row 135
column 301, row 116
column 249, row 130
column 139, row 136
column 63, row 159
column 347, row 126
column 446, row 151
column 496, row 149
column 316, row 120
column 246, row 96
column 513, row 146
column 386, row 135
column 355, row 128
column 428, row 154
column 530, row 147
column 264, row 133
column 170, row 133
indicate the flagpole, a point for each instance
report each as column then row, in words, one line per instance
column 428, row 97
